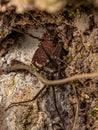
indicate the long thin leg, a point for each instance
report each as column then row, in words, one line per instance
column 55, row 103
column 27, row 101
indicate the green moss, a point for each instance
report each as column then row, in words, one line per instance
column 70, row 58
column 68, row 14
column 92, row 113
column 76, row 83
column 96, row 109
column 89, row 48
column 96, row 118
column 71, row 15
column 81, row 56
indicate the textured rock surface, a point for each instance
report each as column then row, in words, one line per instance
column 21, row 86
column 15, row 87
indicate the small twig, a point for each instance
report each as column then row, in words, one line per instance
column 32, row 70
column 77, row 109
column 47, row 82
